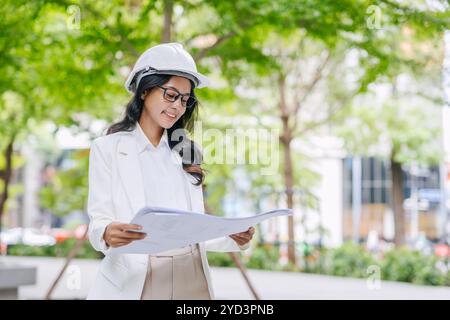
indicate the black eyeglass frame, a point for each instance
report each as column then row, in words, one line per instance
column 189, row 103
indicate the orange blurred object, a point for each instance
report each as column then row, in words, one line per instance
column 442, row 250
column 61, row 235
column 3, row 248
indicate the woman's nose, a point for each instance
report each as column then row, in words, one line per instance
column 177, row 105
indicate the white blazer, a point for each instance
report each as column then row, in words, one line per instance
column 115, row 194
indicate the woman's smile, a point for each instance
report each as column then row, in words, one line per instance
column 170, row 115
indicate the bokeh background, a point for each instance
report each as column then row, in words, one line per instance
column 358, row 92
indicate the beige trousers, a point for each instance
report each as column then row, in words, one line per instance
column 175, row 275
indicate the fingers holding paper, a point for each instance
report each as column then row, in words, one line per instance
column 243, row 238
column 120, row 234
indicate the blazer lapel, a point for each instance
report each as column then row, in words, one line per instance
column 130, row 172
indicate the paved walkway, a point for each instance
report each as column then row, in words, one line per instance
column 229, row 284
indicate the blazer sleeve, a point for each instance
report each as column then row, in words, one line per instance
column 225, row 244
column 100, row 206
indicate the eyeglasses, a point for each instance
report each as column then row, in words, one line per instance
column 172, row 95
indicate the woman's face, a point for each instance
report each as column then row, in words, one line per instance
column 160, row 112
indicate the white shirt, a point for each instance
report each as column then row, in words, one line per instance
column 164, row 178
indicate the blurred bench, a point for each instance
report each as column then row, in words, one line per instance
column 12, row 277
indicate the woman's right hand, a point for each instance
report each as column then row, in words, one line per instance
column 115, row 234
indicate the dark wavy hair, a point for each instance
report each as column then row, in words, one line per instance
column 178, row 140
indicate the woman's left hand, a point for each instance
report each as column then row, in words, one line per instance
column 243, row 237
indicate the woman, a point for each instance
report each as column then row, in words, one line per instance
column 147, row 160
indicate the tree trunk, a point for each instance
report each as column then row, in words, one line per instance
column 289, row 186
column 286, row 139
column 167, row 29
column 397, row 202
column 243, row 271
column 6, row 177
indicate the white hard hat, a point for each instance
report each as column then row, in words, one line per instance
column 166, row 58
